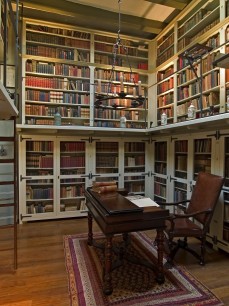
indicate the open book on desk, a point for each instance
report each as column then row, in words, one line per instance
column 141, row 201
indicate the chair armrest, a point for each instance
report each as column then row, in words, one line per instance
column 173, row 203
column 174, row 216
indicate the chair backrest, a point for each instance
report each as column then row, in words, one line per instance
column 205, row 195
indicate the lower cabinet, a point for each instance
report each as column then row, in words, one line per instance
column 55, row 171
column 52, row 178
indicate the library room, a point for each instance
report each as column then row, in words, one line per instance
column 114, row 152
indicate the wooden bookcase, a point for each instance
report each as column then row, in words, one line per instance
column 61, row 68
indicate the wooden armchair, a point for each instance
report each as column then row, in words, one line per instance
column 194, row 220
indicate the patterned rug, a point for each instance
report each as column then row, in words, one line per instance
column 133, row 284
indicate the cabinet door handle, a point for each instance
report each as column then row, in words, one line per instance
column 172, row 178
column 25, row 177
column 146, row 173
column 86, row 175
column 94, row 175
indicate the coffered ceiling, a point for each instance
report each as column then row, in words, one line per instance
column 139, row 18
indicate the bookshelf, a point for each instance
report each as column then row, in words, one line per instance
column 61, row 69
column 204, row 16
column 204, row 23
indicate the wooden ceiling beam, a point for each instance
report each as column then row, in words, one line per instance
column 177, row 4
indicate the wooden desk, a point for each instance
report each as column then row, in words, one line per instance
column 116, row 215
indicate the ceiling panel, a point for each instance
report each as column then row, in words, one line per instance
column 140, row 19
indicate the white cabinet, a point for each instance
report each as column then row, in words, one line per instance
column 55, row 171
column 52, row 177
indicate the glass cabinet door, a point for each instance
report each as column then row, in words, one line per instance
column 106, row 161
column 72, row 176
column 39, row 177
column 160, row 171
column 202, row 156
column 134, row 167
column 180, row 169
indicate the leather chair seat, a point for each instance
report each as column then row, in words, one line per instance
column 184, row 228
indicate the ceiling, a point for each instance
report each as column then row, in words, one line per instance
column 138, row 18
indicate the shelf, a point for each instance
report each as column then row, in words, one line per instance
column 222, row 61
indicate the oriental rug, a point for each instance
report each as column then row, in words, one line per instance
column 133, row 284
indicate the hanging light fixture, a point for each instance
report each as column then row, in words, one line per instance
column 114, row 100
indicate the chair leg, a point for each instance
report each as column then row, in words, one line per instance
column 173, row 247
column 202, row 251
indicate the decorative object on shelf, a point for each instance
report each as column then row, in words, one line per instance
column 122, row 122
column 192, row 54
column 163, row 118
column 191, row 111
column 57, row 118
column 135, row 98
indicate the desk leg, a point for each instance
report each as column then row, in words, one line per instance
column 90, row 233
column 160, row 248
column 108, row 265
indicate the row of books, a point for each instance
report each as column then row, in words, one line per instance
column 131, row 161
column 161, row 75
column 159, row 189
column 57, row 69
column 107, row 147
column 72, row 191
column 211, row 80
column 212, row 42
column 60, row 53
column 181, row 146
column 167, row 42
column 160, row 168
column 42, row 110
column 165, row 55
column 203, row 145
column 179, row 195
column 192, row 22
column 57, row 40
column 115, row 115
column 165, row 99
column 39, row 161
column 114, row 124
column 135, row 147
column 134, row 188
column 36, row 208
column 161, row 152
column 188, row 91
column 73, row 146
column 39, row 146
column 39, row 193
column 106, row 161
column 112, row 40
column 115, row 75
column 35, row 121
column 56, row 97
column 166, row 85
column 72, row 161
column 72, row 204
column 72, row 171
column 120, row 50
column 57, row 83
column 58, row 31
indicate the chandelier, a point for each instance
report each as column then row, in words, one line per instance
column 112, row 99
